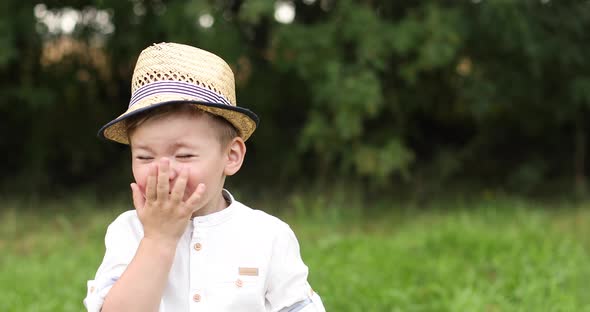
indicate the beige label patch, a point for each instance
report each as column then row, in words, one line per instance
column 248, row 271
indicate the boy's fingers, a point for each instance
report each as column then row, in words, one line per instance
column 150, row 188
column 163, row 181
column 196, row 196
column 179, row 186
column 138, row 199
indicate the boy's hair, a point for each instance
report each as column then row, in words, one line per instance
column 225, row 130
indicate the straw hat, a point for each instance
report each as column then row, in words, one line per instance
column 167, row 73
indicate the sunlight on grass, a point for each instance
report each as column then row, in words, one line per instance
column 506, row 255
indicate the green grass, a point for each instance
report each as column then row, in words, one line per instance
column 492, row 255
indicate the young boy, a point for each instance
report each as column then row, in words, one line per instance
column 189, row 245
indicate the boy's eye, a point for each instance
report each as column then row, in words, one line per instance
column 185, row 156
column 144, row 157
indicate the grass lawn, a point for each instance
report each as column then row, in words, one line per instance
column 494, row 255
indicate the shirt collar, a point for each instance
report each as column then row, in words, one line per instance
column 219, row 216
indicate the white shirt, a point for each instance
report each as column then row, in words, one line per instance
column 237, row 259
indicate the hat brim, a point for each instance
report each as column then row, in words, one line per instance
column 244, row 120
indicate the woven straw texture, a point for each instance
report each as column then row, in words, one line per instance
column 189, row 65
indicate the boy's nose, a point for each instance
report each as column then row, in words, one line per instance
column 174, row 170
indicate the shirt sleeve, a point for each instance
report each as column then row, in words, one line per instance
column 121, row 242
column 288, row 289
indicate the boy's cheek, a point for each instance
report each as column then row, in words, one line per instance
column 140, row 179
column 141, row 184
column 188, row 191
column 142, row 189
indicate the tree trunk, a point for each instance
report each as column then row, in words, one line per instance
column 579, row 158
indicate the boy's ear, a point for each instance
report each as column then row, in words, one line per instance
column 235, row 153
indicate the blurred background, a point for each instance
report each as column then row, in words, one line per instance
column 424, row 145
column 385, row 93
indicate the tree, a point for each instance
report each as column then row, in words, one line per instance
column 385, row 92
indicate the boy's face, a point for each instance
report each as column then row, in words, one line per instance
column 187, row 141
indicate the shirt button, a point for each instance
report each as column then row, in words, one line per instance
column 239, row 283
column 198, row 246
column 197, row 298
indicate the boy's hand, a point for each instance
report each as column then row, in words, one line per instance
column 163, row 213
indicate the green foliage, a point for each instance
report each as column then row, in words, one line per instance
column 495, row 254
column 382, row 161
column 379, row 90
column 253, row 11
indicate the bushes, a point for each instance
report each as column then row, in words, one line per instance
column 382, row 91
